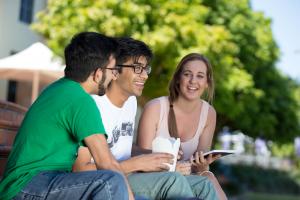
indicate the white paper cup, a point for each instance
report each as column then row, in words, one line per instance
column 167, row 145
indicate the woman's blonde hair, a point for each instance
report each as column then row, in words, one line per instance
column 174, row 87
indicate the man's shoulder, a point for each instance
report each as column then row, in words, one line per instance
column 132, row 100
column 66, row 88
column 61, row 95
column 130, row 104
column 101, row 101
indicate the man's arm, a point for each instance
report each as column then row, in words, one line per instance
column 84, row 158
column 103, row 158
column 152, row 162
column 136, row 150
column 83, row 161
column 145, row 162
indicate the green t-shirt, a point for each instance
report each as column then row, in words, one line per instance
column 62, row 116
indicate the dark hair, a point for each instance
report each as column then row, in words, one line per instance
column 87, row 52
column 174, row 87
column 131, row 48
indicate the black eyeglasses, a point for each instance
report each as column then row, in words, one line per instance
column 138, row 69
column 115, row 70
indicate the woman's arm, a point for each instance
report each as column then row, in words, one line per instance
column 201, row 164
column 205, row 140
column 148, row 124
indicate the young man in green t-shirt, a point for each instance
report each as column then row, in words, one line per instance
column 63, row 116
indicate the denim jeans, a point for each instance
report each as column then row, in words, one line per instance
column 56, row 185
column 202, row 187
column 170, row 185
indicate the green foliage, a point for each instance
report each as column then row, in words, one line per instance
column 251, row 95
column 283, row 150
column 240, row 179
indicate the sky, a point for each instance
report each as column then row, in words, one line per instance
column 285, row 15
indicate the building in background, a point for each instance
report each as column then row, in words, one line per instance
column 16, row 35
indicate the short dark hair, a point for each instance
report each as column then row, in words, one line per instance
column 131, row 48
column 87, row 52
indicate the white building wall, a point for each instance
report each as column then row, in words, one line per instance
column 14, row 34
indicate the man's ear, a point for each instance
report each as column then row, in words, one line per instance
column 98, row 75
column 115, row 76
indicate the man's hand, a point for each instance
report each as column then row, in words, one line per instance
column 153, row 162
column 180, row 154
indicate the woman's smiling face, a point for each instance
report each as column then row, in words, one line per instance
column 193, row 79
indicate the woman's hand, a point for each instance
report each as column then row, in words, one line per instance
column 184, row 167
column 200, row 164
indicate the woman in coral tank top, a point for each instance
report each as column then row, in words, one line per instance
column 186, row 115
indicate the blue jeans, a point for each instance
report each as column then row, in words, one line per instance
column 170, row 185
column 202, row 187
column 55, row 185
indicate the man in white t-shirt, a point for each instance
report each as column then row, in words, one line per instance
column 119, row 124
column 118, row 109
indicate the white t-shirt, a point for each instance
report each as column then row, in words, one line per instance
column 118, row 124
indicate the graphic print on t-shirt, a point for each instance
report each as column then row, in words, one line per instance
column 126, row 129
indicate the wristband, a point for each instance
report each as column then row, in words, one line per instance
column 206, row 171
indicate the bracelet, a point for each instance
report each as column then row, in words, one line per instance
column 205, row 172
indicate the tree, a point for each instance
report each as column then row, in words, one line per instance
column 258, row 52
column 237, row 40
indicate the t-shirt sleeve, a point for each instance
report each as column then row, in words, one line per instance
column 134, row 109
column 87, row 119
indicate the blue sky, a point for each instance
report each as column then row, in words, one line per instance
column 285, row 15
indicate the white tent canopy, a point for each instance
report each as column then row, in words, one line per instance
column 35, row 64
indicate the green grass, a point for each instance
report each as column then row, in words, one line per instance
column 264, row 196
